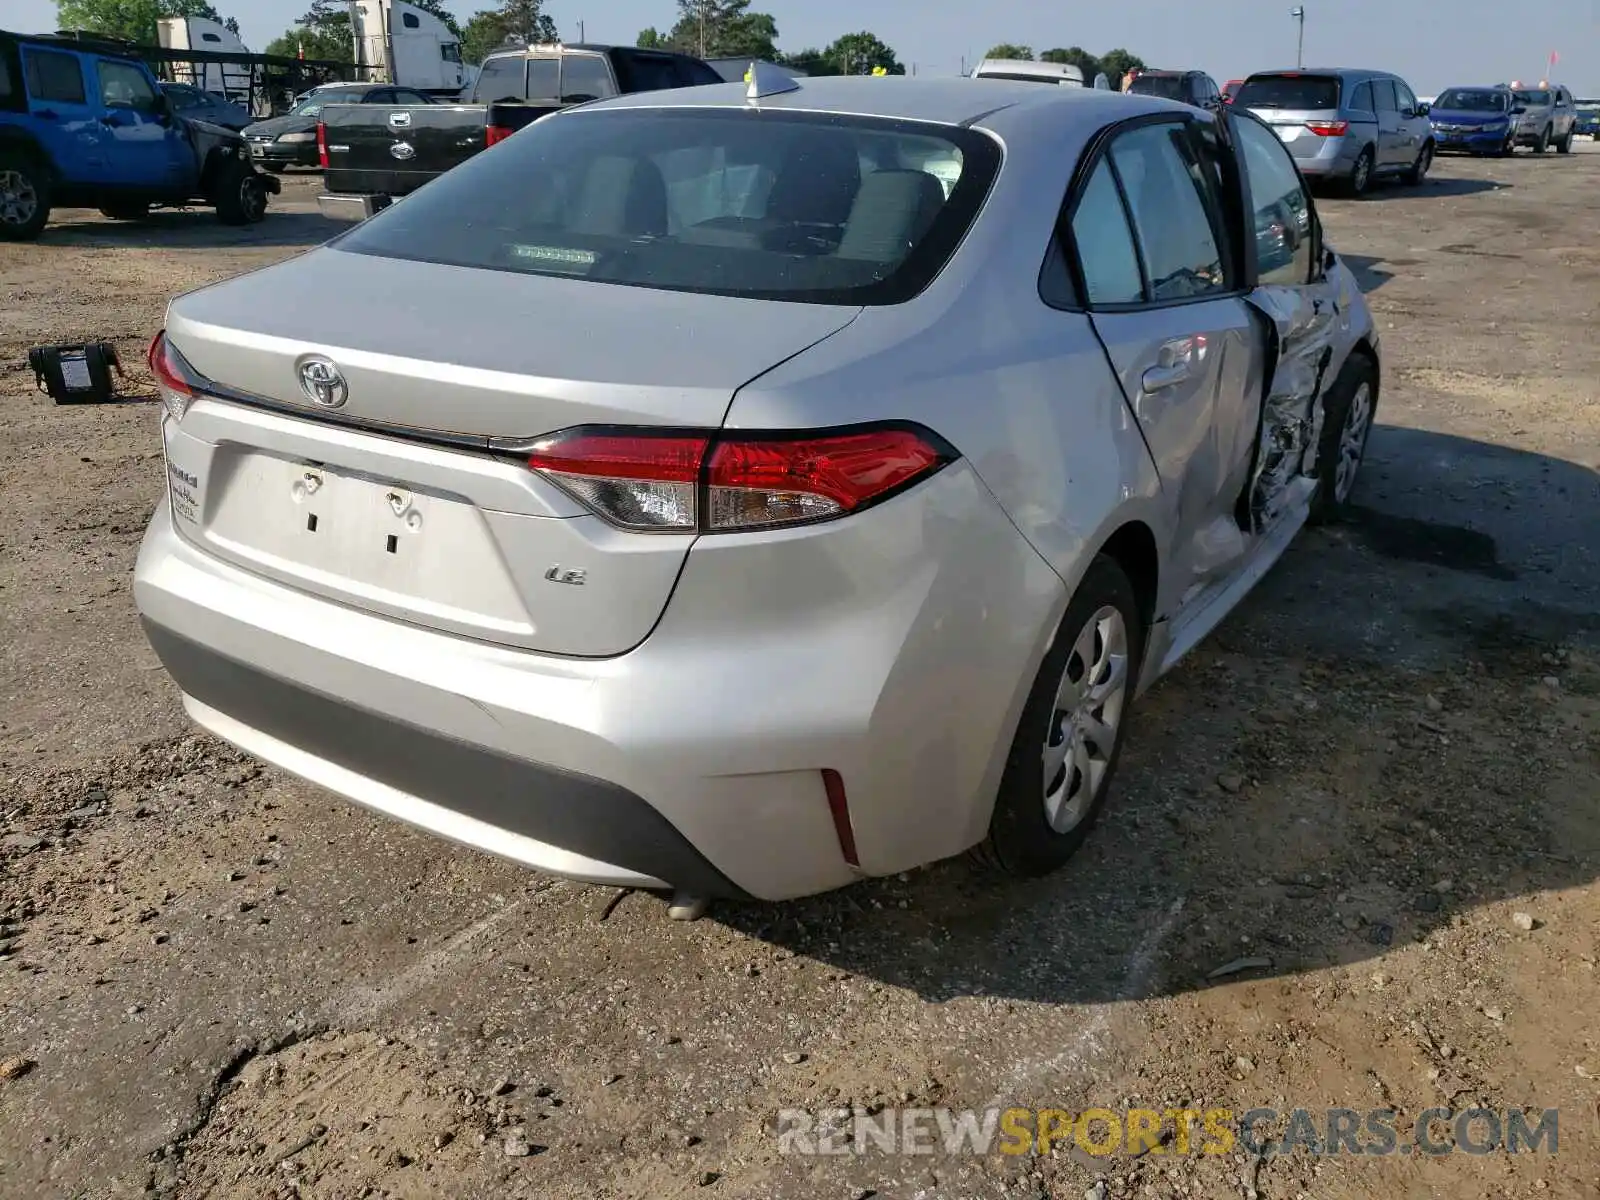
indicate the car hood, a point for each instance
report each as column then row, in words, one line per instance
column 277, row 126
column 1461, row 116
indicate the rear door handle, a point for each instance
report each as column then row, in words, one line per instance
column 1157, row 379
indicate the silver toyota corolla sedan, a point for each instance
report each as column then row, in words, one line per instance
column 747, row 489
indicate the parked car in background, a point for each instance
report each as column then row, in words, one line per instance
column 192, row 104
column 672, row 396
column 374, row 155
column 279, row 143
column 84, row 124
column 1477, row 120
column 1030, row 71
column 1345, row 126
column 1588, row 120
column 1548, row 116
column 1230, row 90
column 1188, row 87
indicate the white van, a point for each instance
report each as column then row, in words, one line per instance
column 1064, row 74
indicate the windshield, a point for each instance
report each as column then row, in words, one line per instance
column 1534, row 98
column 1473, row 100
column 1289, row 91
column 773, row 205
column 312, row 104
column 1169, row 87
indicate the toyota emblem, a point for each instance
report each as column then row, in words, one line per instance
column 322, row 383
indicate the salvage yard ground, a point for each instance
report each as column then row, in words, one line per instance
column 218, row 981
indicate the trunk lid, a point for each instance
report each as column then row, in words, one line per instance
column 446, row 535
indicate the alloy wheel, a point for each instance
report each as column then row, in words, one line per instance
column 1083, row 727
column 1362, row 175
column 19, row 200
column 1352, row 442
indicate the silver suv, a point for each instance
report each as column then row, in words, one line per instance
column 1345, row 126
column 1546, row 116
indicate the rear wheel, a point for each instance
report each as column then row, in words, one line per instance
column 24, row 198
column 241, row 196
column 1348, row 409
column 1419, row 169
column 1065, row 750
column 125, row 212
column 1360, row 182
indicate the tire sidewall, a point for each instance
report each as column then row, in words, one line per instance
column 38, row 179
column 1361, row 184
column 1325, row 506
column 1020, row 838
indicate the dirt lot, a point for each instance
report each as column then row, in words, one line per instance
column 228, row 983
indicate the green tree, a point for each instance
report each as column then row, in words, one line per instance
column 317, row 43
column 1010, row 50
column 528, row 20
column 1078, row 57
column 131, row 19
column 723, row 29
column 650, row 39
column 1117, row 63
column 859, row 53
column 812, row 62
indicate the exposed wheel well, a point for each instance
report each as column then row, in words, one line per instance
column 1133, row 547
column 1363, row 349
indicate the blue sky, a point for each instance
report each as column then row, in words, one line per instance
column 1432, row 44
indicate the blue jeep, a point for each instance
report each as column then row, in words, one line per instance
column 83, row 124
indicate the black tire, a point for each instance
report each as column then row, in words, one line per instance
column 125, row 212
column 275, row 168
column 1360, row 181
column 1418, row 170
column 1021, row 841
column 1510, row 148
column 1542, row 143
column 24, row 198
column 1564, row 146
column 1333, row 494
column 241, row 196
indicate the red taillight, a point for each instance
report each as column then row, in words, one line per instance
column 684, row 481
column 174, row 379
column 322, row 145
column 1328, row 128
column 839, row 806
column 495, row 133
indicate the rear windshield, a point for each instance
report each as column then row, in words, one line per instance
column 1473, row 100
column 1537, row 97
column 317, row 101
column 1289, row 91
column 1168, row 86
column 774, row 205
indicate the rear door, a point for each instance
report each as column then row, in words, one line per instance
column 65, row 119
column 1150, row 234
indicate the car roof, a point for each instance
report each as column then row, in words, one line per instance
column 958, row 101
column 1345, row 72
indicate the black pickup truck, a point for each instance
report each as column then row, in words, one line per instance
column 373, row 153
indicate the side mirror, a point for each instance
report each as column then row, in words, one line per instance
column 1518, row 109
column 1424, row 109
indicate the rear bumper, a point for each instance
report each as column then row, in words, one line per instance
column 350, row 208
column 1326, row 158
column 895, row 648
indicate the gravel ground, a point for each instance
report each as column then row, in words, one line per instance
column 1380, row 779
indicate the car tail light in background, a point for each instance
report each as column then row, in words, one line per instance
column 322, row 145
column 175, row 379
column 1328, row 128
column 496, row 133
column 682, row 481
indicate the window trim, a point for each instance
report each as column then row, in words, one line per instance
column 1248, row 206
column 1229, row 238
column 28, row 55
column 605, row 65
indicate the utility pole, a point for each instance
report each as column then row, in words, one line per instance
column 581, row 38
column 1298, row 12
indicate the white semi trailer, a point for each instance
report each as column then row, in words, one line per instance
column 400, row 43
column 197, row 33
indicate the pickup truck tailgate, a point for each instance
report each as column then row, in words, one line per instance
column 396, row 149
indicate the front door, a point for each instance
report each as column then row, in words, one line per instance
column 1415, row 128
column 145, row 148
column 1391, row 129
column 1150, row 234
